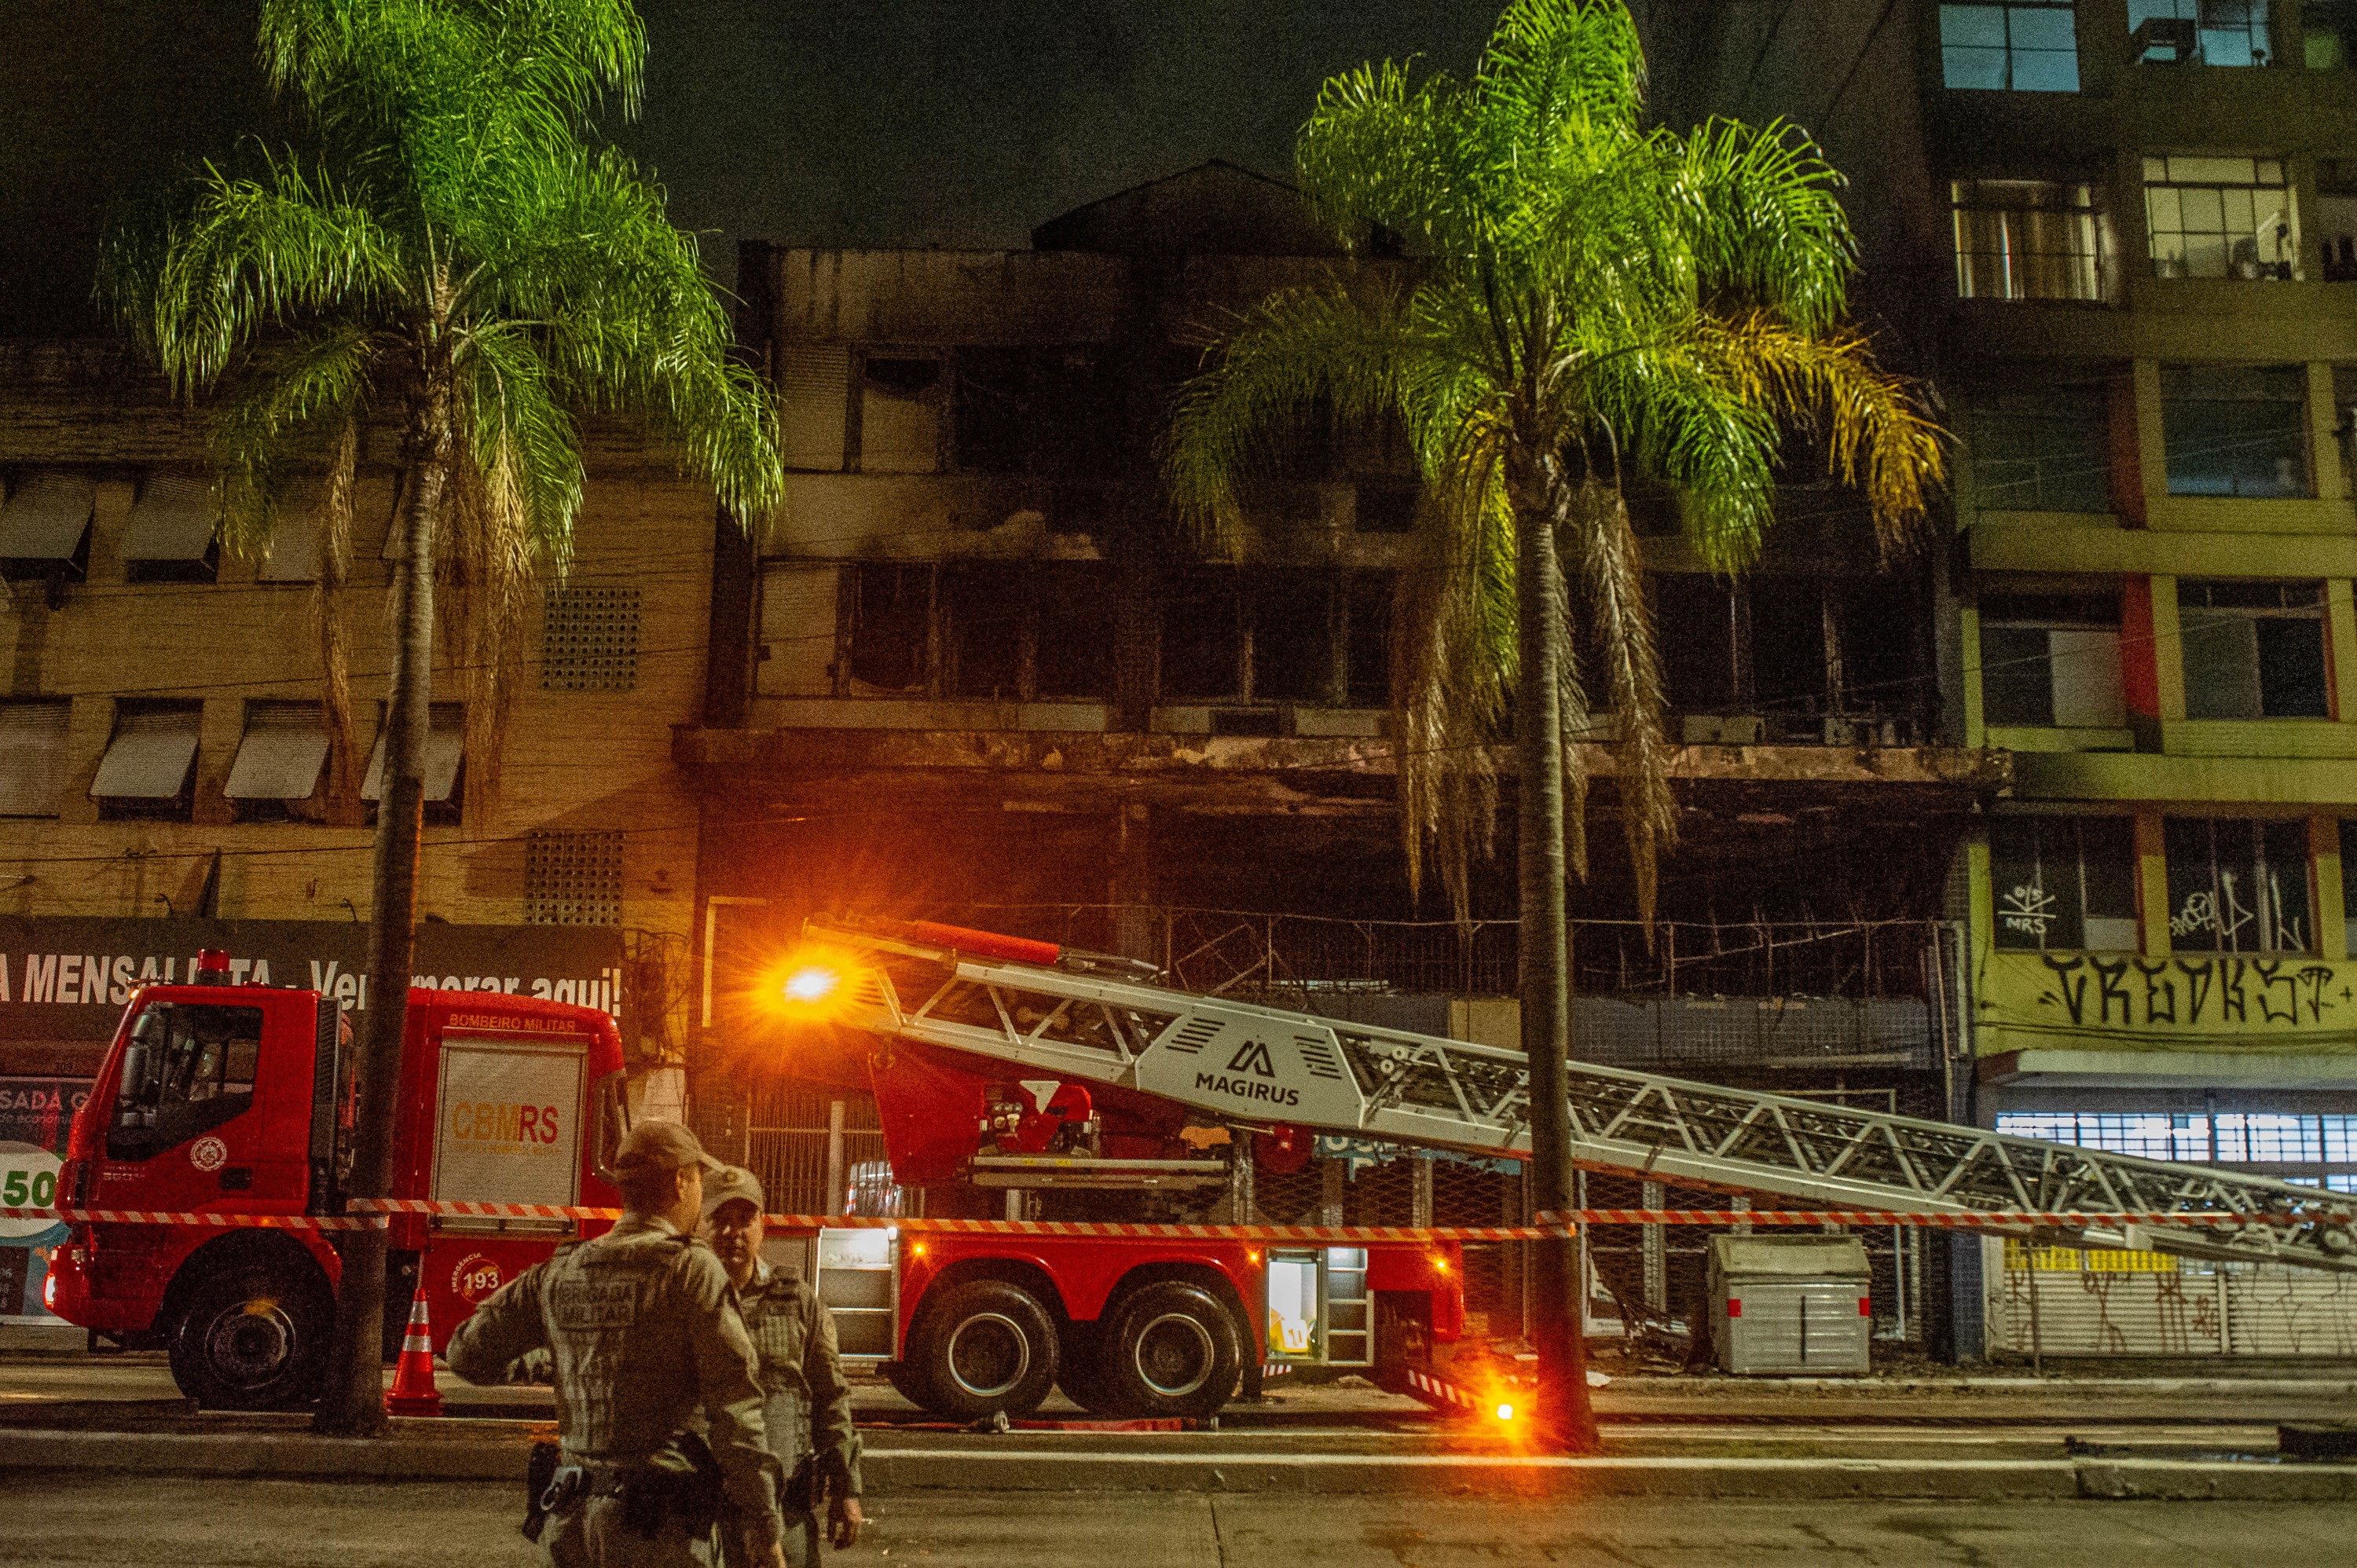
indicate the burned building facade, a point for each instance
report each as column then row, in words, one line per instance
column 972, row 672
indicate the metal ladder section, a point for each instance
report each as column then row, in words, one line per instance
column 1259, row 1064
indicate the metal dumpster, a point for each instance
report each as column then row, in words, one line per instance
column 1791, row 1304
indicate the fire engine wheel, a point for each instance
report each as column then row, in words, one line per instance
column 987, row 1346
column 252, row 1338
column 1176, row 1351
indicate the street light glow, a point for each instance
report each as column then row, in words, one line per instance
column 812, row 984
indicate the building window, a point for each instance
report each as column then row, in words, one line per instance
column 2253, row 650
column 2052, row 660
column 2301, row 1146
column 1367, row 681
column 2064, row 882
column 813, row 405
column 32, row 758
column 2237, row 885
column 1030, row 411
column 2349, row 881
column 900, row 413
column 170, row 535
column 2025, row 239
column 2220, row 218
column 149, row 770
column 2328, row 30
column 445, row 752
column 279, row 760
column 2213, row 32
column 45, row 529
column 2023, row 46
column 890, row 623
column 589, row 639
column 2046, row 449
column 2336, row 217
column 573, row 879
column 2235, row 430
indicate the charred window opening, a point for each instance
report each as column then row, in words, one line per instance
column 1203, row 634
column 891, row 614
column 1367, row 678
column 1074, row 658
column 1029, row 411
column 1877, row 622
column 1293, row 636
column 1788, row 646
column 986, row 610
column 900, row 414
column 1695, row 619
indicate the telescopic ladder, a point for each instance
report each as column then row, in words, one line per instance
column 1077, row 1018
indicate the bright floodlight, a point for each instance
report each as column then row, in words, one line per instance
column 813, row 985
column 1505, row 1413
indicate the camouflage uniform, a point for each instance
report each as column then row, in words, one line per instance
column 802, row 1372
column 642, row 1331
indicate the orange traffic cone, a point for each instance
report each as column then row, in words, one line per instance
column 414, row 1392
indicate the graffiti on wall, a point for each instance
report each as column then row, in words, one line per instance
column 2194, row 993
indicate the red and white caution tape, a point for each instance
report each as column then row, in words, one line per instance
column 151, row 1216
column 375, row 1212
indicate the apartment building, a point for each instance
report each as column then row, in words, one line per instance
column 165, row 779
column 2118, row 235
column 979, row 676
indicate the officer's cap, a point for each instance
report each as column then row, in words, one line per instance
column 653, row 1146
column 734, row 1184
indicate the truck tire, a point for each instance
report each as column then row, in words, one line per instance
column 986, row 1346
column 252, row 1338
column 1175, row 1351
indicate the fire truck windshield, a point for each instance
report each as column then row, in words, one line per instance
column 187, row 1069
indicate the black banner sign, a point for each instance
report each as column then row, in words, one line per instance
column 67, row 977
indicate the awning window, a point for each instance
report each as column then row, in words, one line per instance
column 32, row 758
column 445, row 743
column 285, row 748
column 172, row 520
column 150, row 757
column 45, row 518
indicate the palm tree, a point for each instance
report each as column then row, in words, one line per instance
column 1590, row 304
column 448, row 254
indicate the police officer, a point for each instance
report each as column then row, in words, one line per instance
column 808, row 1413
column 642, row 1331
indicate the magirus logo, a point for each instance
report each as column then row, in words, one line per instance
column 1252, row 1056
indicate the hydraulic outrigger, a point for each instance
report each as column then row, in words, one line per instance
column 1081, row 1017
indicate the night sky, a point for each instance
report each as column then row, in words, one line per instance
column 827, row 122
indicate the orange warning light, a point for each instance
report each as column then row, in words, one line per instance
column 811, row 984
column 1504, row 1412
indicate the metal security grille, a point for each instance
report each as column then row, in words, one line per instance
column 792, row 1146
column 573, row 879
column 589, row 641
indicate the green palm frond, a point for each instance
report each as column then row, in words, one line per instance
column 1293, row 356
column 246, row 255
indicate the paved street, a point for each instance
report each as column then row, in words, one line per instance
column 62, row 1518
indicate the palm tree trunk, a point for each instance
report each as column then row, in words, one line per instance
column 1545, row 979
column 351, row 1402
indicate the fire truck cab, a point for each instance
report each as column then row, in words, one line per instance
column 238, row 1098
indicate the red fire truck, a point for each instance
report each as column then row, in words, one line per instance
column 237, row 1099
column 972, row 1325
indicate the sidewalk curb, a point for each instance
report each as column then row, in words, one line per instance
column 500, row 1457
